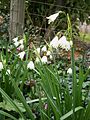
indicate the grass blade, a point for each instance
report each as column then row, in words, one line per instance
column 12, row 103
column 7, row 114
column 70, row 113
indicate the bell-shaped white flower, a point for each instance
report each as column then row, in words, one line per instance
column 30, row 65
column 15, row 39
column 48, row 53
column 8, row 72
column 44, row 49
column 69, row 71
column 62, row 40
column 44, row 59
column 37, row 60
column 64, row 44
column 21, row 41
column 51, row 57
column 38, row 50
column 54, row 42
column 21, row 55
column 53, row 17
column 67, row 46
column 71, row 43
column 1, row 66
column 21, row 47
column 16, row 44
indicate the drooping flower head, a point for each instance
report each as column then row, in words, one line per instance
column 44, row 49
column 69, row 71
column 21, row 41
column 21, row 47
column 37, row 60
column 1, row 66
column 15, row 39
column 64, row 44
column 54, row 42
column 44, row 59
column 48, row 53
column 38, row 50
column 18, row 43
column 21, row 55
column 53, row 17
column 30, row 65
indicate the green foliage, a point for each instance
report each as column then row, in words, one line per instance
column 47, row 91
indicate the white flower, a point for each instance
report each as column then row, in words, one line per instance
column 67, row 46
column 53, row 17
column 37, row 60
column 62, row 40
column 69, row 71
column 51, row 57
column 21, row 41
column 64, row 44
column 48, row 53
column 8, row 72
column 16, row 43
column 44, row 49
column 21, row 55
column 38, row 50
column 30, row 65
column 44, row 59
column 15, row 39
column 54, row 42
column 89, row 67
column 71, row 43
column 21, row 47
column 1, row 66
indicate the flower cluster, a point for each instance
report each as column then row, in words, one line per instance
column 43, row 54
column 56, row 42
column 18, row 43
column 62, row 42
column 20, row 47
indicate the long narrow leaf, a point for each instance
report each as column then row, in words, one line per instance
column 7, row 114
column 12, row 103
column 70, row 113
column 22, row 99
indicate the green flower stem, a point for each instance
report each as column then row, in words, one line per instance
column 74, row 81
column 74, row 89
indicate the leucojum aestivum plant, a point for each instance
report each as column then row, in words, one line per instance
column 61, row 102
column 31, row 85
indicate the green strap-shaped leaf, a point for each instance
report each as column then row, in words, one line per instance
column 7, row 114
column 70, row 113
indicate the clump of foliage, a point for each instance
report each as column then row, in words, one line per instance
column 44, row 88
